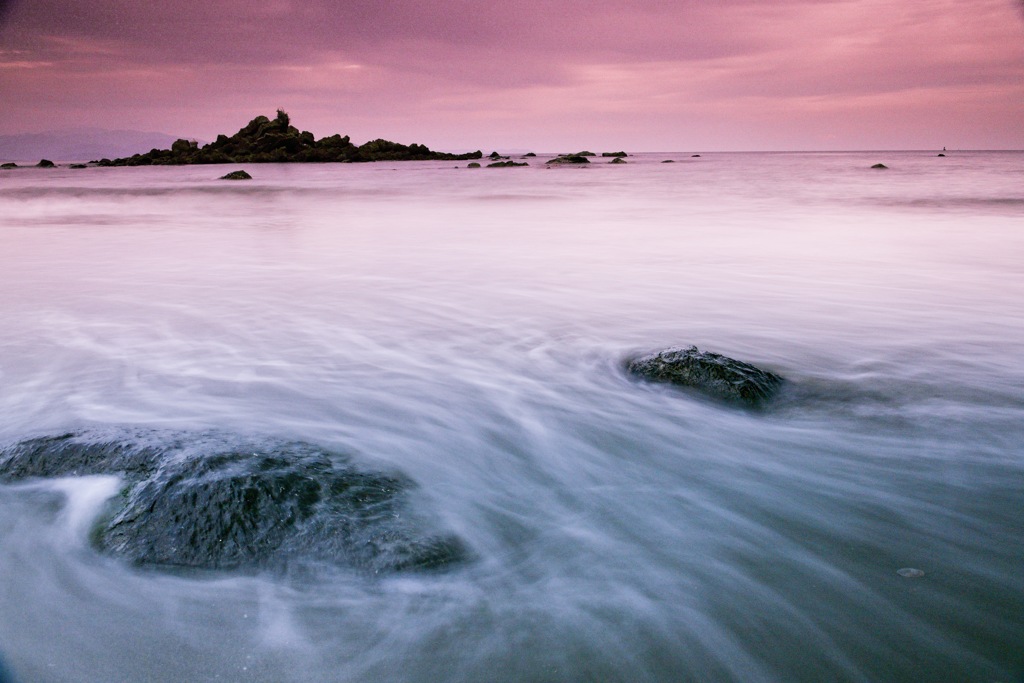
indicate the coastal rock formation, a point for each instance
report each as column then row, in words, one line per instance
column 472, row 164
column 529, row 154
column 236, row 175
column 214, row 502
column 711, row 373
column 507, row 164
column 669, row 161
column 618, row 160
column 570, row 159
column 9, row 164
column 614, row 154
column 266, row 140
column 879, row 166
column 46, row 163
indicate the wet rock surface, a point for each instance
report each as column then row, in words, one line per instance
column 236, row 175
column 212, row 502
column 570, row 159
column 711, row 373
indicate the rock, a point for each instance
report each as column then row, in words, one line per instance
column 265, row 140
column 236, row 175
column 694, row 156
column 614, row 154
column 569, row 159
column 78, row 166
column 585, row 153
column 711, row 373
column 215, row 502
column 9, row 164
column 46, row 163
column 495, row 155
column 529, row 154
column 506, row 164
column 668, row 161
column 879, row 166
column 618, row 160
column 472, row 164
column 941, row 155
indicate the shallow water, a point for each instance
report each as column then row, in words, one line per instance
column 469, row 327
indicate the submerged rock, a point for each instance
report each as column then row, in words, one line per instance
column 618, row 160
column 9, row 164
column 879, row 166
column 669, row 161
column 472, row 164
column 614, row 154
column 506, row 164
column 529, row 154
column 46, row 163
column 236, row 175
column 78, row 166
column 219, row 503
column 711, row 373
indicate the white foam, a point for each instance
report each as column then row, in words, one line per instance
column 85, row 499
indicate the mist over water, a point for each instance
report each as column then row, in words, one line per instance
column 469, row 328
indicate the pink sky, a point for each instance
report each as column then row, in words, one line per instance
column 549, row 75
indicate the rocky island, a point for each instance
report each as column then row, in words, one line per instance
column 266, row 140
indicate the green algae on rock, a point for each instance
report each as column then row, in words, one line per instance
column 711, row 373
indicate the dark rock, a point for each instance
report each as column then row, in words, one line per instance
column 585, row 153
column 236, row 175
column 695, row 156
column 529, row 154
column 669, row 161
column 472, row 164
column 211, row 502
column 618, row 160
column 264, row 140
column 78, row 166
column 569, row 159
column 506, row 164
column 614, row 154
column 9, row 164
column 879, row 166
column 45, row 163
column 941, row 155
column 711, row 373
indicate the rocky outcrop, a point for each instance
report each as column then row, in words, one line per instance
column 614, row 154
column 569, row 159
column 711, row 373
column 507, row 164
column 266, row 140
column 236, row 175
column 9, row 164
column 46, row 163
column 214, row 502
column 618, row 160
column 879, row 166
column 473, row 164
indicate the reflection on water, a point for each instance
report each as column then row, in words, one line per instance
column 468, row 328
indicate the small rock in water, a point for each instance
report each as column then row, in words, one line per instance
column 506, row 164
column 910, row 573
column 712, row 373
column 472, row 164
column 669, row 161
column 879, row 166
column 46, row 163
column 236, row 175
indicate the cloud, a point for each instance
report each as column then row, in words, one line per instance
column 532, row 67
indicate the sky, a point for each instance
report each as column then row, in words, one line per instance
column 544, row 75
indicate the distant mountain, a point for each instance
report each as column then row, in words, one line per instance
column 80, row 144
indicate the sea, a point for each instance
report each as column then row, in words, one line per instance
column 470, row 328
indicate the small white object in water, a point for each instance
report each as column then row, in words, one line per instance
column 910, row 573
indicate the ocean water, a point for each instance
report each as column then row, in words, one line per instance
column 469, row 328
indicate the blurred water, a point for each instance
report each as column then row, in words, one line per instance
column 468, row 327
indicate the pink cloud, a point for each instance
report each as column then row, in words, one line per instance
column 531, row 73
